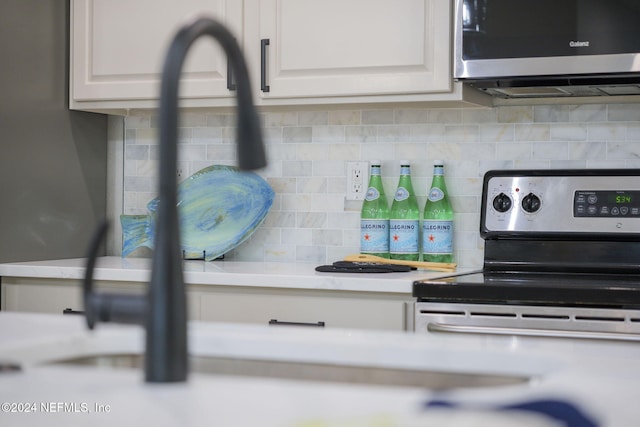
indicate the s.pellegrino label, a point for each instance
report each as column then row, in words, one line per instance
column 374, row 236
column 403, row 236
column 437, row 237
column 374, row 216
column 437, row 224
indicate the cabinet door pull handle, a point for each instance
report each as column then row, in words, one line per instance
column 72, row 311
column 263, row 65
column 278, row 322
column 231, row 84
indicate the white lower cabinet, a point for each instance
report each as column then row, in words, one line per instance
column 238, row 304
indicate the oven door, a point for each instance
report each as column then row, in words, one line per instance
column 522, row 320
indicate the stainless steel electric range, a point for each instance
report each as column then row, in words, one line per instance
column 562, row 258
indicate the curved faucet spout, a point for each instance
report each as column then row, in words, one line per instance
column 164, row 311
column 166, row 357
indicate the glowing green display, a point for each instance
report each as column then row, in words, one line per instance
column 623, row 198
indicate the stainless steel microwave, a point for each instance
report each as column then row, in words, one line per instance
column 530, row 48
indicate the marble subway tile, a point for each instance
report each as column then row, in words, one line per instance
column 206, row 135
column 316, row 254
column 136, row 152
column 222, row 120
column 479, row 115
column 606, row 131
column 326, row 237
column 411, row 115
column 297, row 168
column 623, row 112
column 496, row 133
column 513, row 151
column 296, row 203
column 343, row 152
column 287, row 118
column 552, row 113
column 283, row 185
column 587, row 150
column 146, row 136
column 311, row 219
column 568, row 132
column 313, row 118
column 296, row 134
column 393, row 133
column 311, row 152
column 623, row 150
column 327, row 202
column 328, row 134
column 344, row 117
column 298, row 236
column 314, row 184
column 329, row 168
column 361, row 133
column 377, row 117
column 279, row 253
column 137, row 121
column 532, row 132
column 519, row 114
column 149, row 168
column 280, row 220
column 588, row 113
column 550, row 150
column 445, row 115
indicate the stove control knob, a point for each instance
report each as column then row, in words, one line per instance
column 531, row 203
column 502, row 202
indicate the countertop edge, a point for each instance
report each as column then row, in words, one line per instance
column 225, row 273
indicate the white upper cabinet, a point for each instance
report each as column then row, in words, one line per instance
column 298, row 52
column 118, row 48
column 340, row 48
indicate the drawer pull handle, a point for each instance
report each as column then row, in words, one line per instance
column 72, row 311
column 263, row 65
column 231, row 84
column 278, row 322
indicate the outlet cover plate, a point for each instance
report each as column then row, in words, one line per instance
column 357, row 180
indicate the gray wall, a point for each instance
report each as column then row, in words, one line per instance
column 52, row 161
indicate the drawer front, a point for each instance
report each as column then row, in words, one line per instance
column 54, row 296
column 331, row 312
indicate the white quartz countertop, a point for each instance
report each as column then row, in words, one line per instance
column 599, row 378
column 258, row 274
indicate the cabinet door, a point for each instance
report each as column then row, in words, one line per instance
column 323, row 48
column 118, row 48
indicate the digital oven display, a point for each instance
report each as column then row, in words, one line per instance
column 606, row 203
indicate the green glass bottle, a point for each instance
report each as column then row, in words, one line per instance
column 437, row 226
column 404, row 219
column 374, row 217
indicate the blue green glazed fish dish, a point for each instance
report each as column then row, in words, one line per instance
column 219, row 208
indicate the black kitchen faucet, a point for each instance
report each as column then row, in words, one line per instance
column 163, row 311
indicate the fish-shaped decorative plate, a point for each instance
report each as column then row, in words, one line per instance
column 219, row 208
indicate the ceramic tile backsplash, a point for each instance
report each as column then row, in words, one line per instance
column 307, row 150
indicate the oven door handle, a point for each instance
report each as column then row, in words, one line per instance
column 531, row 332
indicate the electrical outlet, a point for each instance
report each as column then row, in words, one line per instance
column 357, row 180
column 179, row 173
